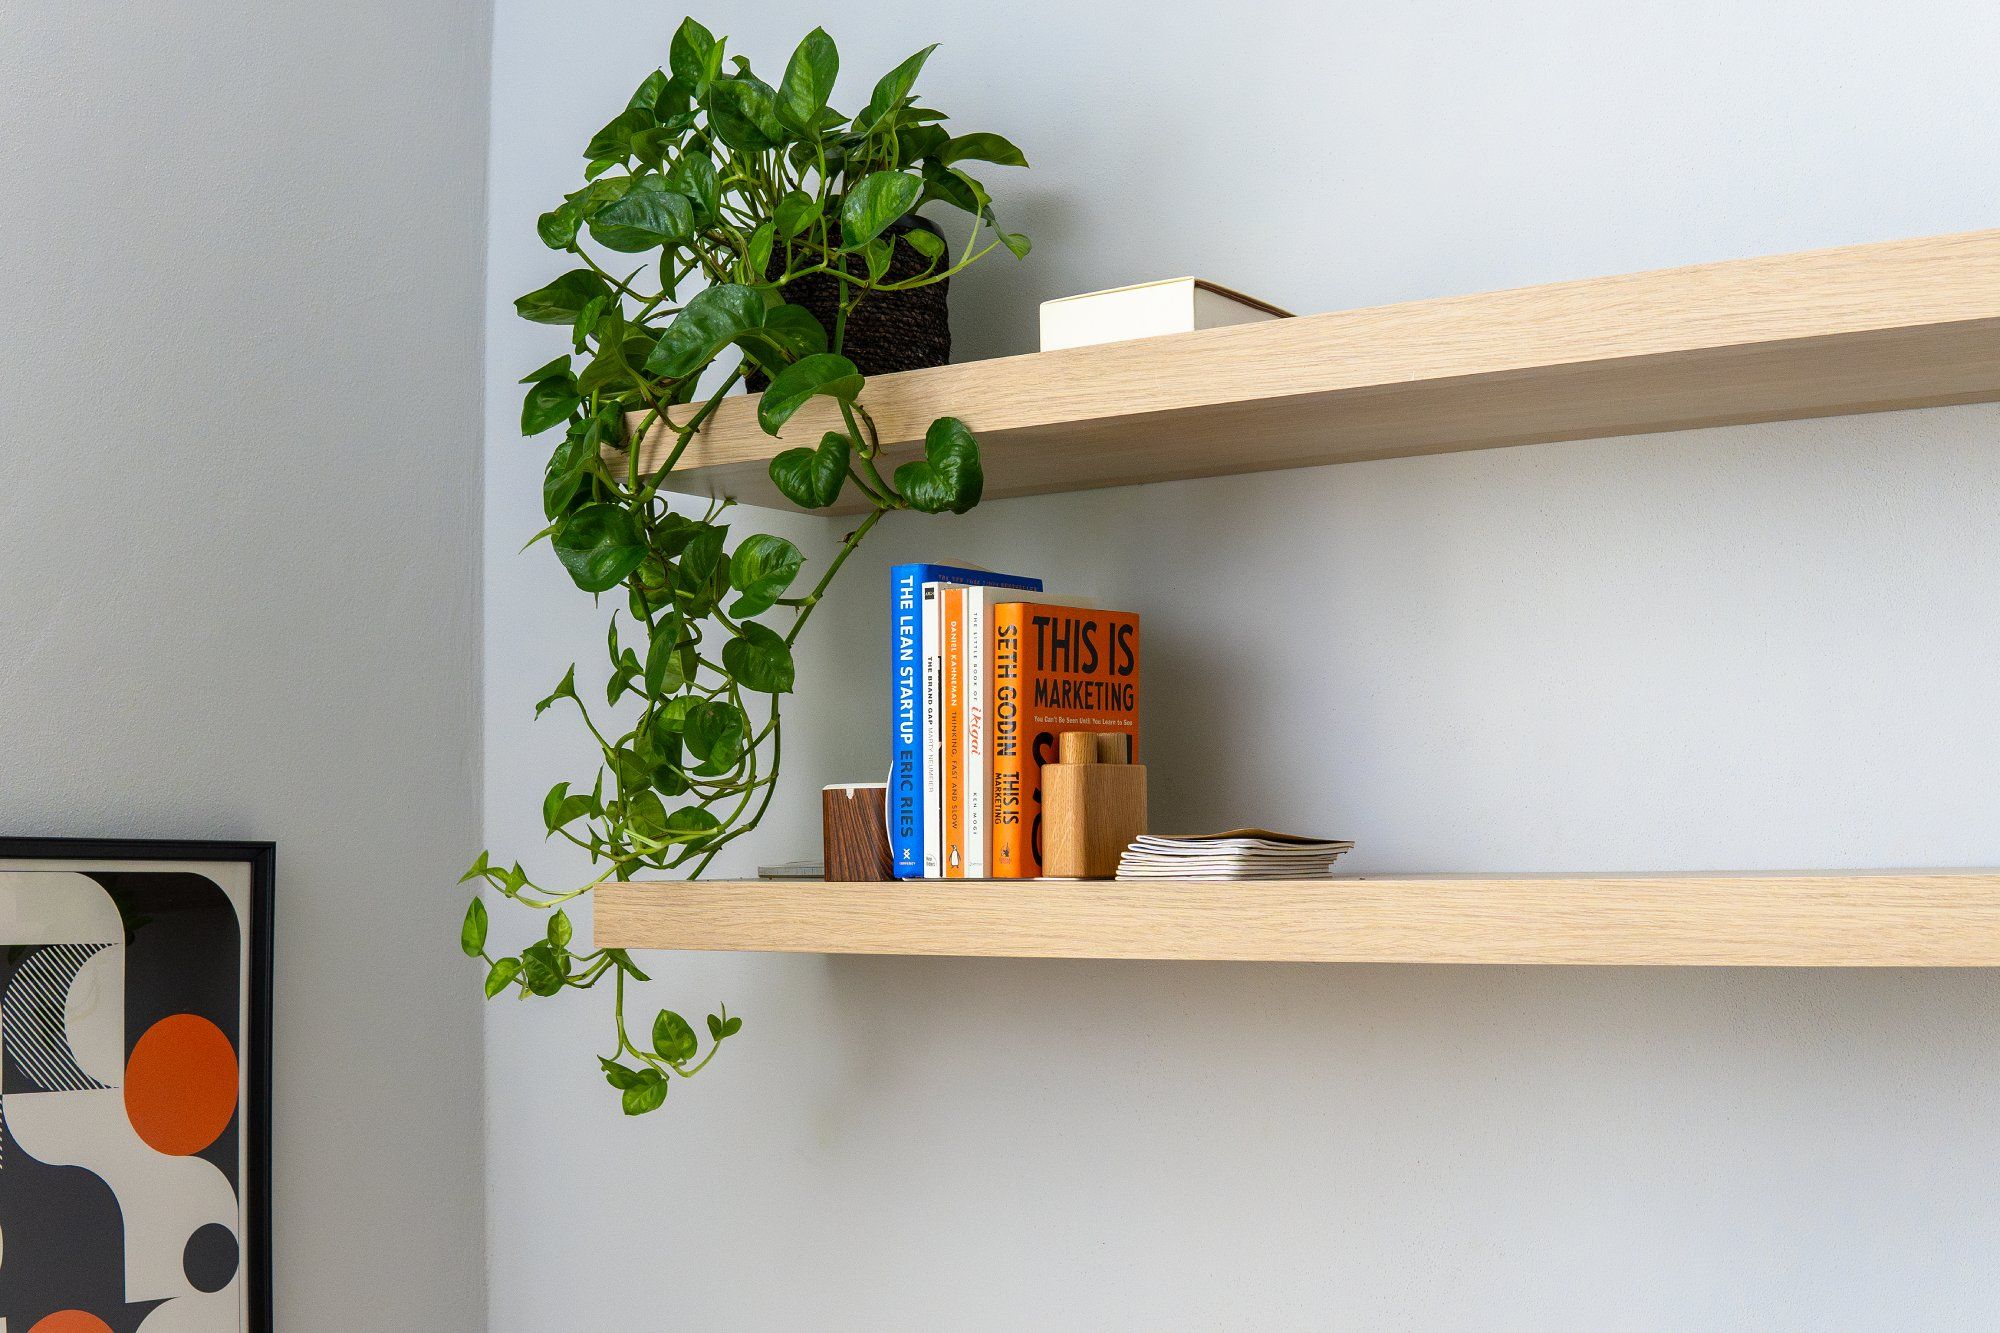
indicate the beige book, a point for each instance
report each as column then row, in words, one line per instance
column 1146, row 310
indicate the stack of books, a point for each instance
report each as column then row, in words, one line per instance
column 986, row 670
column 1244, row 853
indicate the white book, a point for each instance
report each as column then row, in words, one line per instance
column 931, row 649
column 1147, row 310
column 978, row 741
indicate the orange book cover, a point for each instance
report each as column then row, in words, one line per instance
column 1055, row 669
column 953, row 617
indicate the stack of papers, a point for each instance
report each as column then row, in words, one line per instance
column 1243, row 853
column 793, row 870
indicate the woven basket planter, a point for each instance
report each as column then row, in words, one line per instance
column 888, row 331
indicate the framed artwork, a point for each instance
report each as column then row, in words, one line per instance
column 135, row 1086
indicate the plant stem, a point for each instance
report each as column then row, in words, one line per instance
column 847, row 547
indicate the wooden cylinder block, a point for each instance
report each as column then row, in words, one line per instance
column 1093, row 805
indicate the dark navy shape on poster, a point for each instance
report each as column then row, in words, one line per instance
column 65, row 1244
column 183, row 952
column 210, row 1258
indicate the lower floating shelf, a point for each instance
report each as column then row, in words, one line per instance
column 1903, row 918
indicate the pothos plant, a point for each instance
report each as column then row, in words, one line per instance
column 716, row 182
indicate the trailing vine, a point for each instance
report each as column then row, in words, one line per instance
column 722, row 184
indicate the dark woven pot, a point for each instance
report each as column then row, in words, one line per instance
column 887, row 331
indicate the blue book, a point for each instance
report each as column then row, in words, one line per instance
column 910, row 747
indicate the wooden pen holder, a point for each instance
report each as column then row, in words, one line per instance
column 1093, row 805
column 856, row 832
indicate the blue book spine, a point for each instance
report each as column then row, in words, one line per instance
column 908, row 749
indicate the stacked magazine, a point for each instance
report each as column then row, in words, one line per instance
column 1243, row 853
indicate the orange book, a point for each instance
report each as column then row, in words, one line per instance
column 1055, row 669
column 953, row 617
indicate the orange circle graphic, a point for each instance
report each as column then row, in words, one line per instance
column 180, row 1086
column 70, row 1321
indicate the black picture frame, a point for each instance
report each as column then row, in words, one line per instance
column 261, row 859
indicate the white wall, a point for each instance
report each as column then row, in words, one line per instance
column 239, row 496
column 1757, row 647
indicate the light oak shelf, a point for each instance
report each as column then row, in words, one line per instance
column 1865, row 328
column 1919, row 918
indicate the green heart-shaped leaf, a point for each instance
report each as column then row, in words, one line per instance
column 502, row 975
column 744, row 111
column 713, row 731
column 649, row 1095
column 614, row 365
column 634, row 776
column 472, row 935
column 875, row 255
column 701, row 554
column 554, row 370
column 647, row 95
column 826, row 373
column 569, row 466
column 981, row 148
column 757, row 251
column 702, row 576
column 808, row 80
column 644, row 219
column 880, row 198
column 645, row 814
column 893, row 88
column 954, row 187
column 558, row 228
column 693, row 175
column 916, row 142
column 562, row 300
column 552, row 806
column 688, row 53
column 667, row 776
column 664, row 670
column 545, row 969
column 793, row 330
column 759, row 659
column 599, row 545
column 715, row 317
column 812, row 478
column 548, row 403
column 615, row 139
column 762, row 568
column 794, row 213
column 598, row 193
column 948, row 479
column 691, row 824
column 673, row 1039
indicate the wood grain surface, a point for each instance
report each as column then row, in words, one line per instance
column 1093, row 805
column 855, row 843
column 1920, row 918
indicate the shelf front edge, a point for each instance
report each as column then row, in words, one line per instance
column 1932, row 918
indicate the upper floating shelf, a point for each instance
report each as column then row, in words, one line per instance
column 1865, row 328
